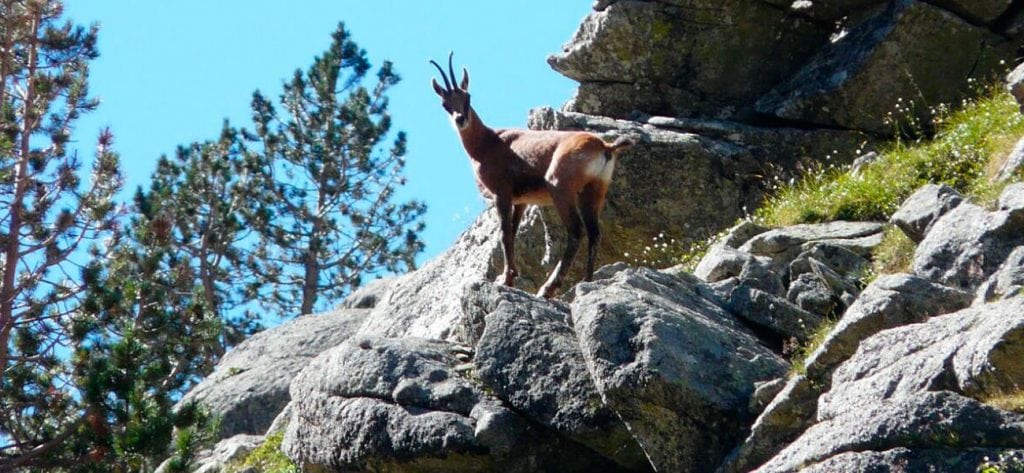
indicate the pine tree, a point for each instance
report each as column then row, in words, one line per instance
column 50, row 222
column 98, row 336
column 142, row 337
column 329, row 216
column 200, row 200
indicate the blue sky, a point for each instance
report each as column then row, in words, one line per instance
column 170, row 73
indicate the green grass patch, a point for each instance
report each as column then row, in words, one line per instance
column 798, row 360
column 964, row 154
column 267, row 458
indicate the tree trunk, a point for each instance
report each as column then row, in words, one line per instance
column 209, row 291
column 12, row 249
column 311, row 276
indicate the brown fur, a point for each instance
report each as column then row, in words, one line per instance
column 566, row 169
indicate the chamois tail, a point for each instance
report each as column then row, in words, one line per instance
column 620, row 143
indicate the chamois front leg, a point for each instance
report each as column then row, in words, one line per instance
column 568, row 211
column 509, row 222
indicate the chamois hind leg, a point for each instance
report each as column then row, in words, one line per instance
column 517, row 216
column 509, row 222
column 568, row 211
column 591, row 204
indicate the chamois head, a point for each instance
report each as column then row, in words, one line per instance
column 455, row 100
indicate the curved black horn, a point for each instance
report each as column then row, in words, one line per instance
column 451, row 71
column 447, row 86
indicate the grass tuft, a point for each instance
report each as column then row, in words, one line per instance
column 894, row 255
column 799, row 359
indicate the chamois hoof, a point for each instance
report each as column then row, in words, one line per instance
column 547, row 292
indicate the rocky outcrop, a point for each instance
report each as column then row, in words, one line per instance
column 910, row 347
column 887, row 67
column 786, row 245
column 706, row 58
column 529, row 355
column 427, row 303
column 616, row 381
column 645, row 370
column 923, row 208
column 823, row 64
column 788, row 280
column 931, row 421
column 888, row 302
column 726, row 98
column 908, row 387
column 410, row 405
column 969, row 352
column 969, row 243
column 249, row 387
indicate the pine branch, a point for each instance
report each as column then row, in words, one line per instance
column 27, row 458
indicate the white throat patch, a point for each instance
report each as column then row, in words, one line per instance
column 465, row 124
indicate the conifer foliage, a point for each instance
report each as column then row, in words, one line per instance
column 86, row 385
column 110, row 313
column 197, row 207
column 50, row 221
column 329, row 216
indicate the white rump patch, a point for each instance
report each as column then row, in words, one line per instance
column 601, row 168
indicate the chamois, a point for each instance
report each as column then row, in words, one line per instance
column 567, row 169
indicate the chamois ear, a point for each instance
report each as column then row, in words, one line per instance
column 437, row 87
column 465, row 80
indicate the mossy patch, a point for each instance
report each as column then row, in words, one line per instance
column 266, row 458
column 643, row 247
column 1012, row 401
